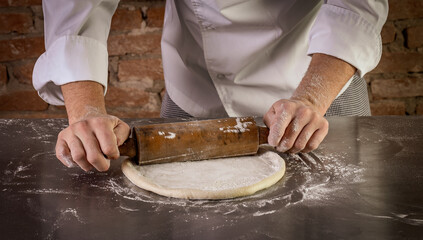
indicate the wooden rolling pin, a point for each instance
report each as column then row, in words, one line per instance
column 194, row 140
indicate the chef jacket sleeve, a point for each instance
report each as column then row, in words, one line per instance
column 350, row 30
column 76, row 34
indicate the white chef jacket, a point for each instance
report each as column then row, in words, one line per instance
column 234, row 57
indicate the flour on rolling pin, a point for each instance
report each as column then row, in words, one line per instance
column 239, row 127
column 168, row 135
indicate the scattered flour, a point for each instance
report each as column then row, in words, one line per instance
column 258, row 213
column 314, row 185
column 48, row 191
column 64, row 216
column 129, row 209
column 169, row 135
column 322, row 183
column 241, row 126
column 404, row 218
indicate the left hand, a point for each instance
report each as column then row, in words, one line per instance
column 295, row 126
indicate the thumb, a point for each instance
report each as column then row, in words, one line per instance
column 121, row 131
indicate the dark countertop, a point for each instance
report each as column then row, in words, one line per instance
column 370, row 186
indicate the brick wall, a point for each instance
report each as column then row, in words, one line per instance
column 396, row 85
column 135, row 73
column 136, row 77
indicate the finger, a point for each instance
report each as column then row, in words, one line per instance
column 293, row 130
column 63, row 153
column 317, row 138
column 303, row 138
column 280, row 122
column 122, row 131
column 107, row 140
column 94, row 155
column 77, row 152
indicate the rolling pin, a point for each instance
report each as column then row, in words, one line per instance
column 194, row 140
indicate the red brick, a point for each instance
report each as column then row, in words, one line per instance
column 403, row 9
column 3, row 75
column 400, row 62
column 125, row 19
column 397, row 88
column 147, row 73
column 15, row 3
column 126, row 97
column 21, row 101
column 388, row 107
column 155, row 16
column 147, row 70
column 388, row 33
column 419, row 107
column 150, row 109
column 138, row 44
column 23, row 72
column 15, row 22
column 15, row 49
column 414, row 37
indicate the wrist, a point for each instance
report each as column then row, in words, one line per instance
column 83, row 100
column 320, row 108
column 84, row 112
column 322, row 82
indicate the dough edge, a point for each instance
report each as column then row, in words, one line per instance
column 136, row 178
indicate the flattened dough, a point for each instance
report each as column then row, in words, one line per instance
column 209, row 179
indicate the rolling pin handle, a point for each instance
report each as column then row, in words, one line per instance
column 128, row 148
column 263, row 135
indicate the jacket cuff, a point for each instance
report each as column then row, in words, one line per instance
column 69, row 59
column 346, row 35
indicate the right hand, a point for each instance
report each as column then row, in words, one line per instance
column 88, row 141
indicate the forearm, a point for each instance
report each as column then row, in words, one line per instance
column 323, row 81
column 83, row 99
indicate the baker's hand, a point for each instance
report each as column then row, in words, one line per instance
column 295, row 126
column 84, row 142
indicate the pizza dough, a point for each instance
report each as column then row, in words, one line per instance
column 208, row 179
